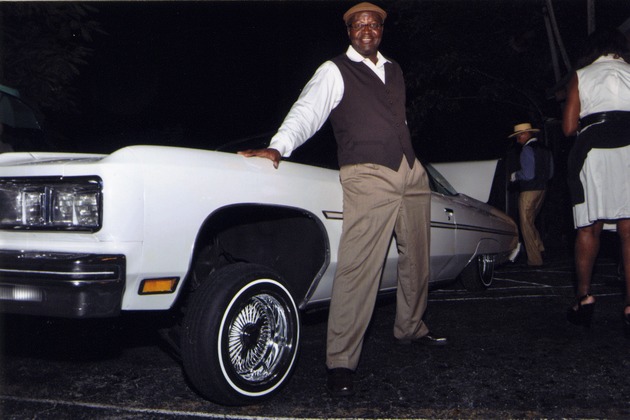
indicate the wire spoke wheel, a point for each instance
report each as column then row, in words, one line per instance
column 241, row 335
column 257, row 338
column 479, row 273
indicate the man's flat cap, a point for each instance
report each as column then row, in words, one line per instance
column 364, row 7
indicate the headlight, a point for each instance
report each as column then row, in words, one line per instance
column 67, row 203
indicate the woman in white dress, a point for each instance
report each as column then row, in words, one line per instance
column 598, row 111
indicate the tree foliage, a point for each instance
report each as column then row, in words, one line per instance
column 475, row 49
column 44, row 47
column 466, row 57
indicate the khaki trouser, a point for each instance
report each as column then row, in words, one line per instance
column 379, row 202
column 529, row 205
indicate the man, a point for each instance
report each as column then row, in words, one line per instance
column 536, row 170
column 385, row 190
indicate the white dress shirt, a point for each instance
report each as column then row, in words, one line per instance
column 318, row 98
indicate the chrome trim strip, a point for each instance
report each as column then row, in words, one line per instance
column 59, row 273
column 441, row 225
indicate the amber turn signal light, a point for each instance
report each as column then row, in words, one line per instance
column 155, row 286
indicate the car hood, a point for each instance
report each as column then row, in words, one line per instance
column 473, row 179
column 46, row 158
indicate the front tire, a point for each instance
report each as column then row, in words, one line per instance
column 241, row 335
column 478, row 274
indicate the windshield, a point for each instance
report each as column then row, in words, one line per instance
column 438, row 183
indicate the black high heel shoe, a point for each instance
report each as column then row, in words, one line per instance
column 626, row 322
column 584, row 313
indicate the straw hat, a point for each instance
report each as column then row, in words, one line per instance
column 522, row 128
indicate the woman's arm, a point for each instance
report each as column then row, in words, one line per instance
column 571, row 114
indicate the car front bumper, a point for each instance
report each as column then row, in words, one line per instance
column 70, row 285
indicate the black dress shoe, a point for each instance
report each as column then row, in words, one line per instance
column 429, row 339
column 583, row 314
column 340, row 382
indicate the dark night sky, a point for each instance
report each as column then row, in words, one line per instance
column 206, row 73
column 218, row 71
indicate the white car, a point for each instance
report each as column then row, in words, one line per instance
column 233, row 248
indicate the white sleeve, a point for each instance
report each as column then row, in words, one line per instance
column 307, row 115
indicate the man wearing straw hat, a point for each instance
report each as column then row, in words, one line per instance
column 385, row 190
column 536, row 170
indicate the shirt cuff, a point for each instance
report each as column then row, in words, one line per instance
column 280, row 144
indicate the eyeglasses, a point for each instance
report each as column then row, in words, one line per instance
column 359, row 26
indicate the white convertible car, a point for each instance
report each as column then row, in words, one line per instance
column 233, row 248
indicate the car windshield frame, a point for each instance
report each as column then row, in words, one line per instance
column 437, row 182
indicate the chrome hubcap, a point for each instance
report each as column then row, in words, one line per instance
column 486, row 269
column 259, row 338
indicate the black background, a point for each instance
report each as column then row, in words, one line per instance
column 206, row 73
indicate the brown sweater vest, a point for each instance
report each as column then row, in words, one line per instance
column 370, row 121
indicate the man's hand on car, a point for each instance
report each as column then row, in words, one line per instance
column 271, row 154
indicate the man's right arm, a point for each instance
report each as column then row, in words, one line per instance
column 307, row 115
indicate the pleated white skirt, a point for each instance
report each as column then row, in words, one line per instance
column 605, row 178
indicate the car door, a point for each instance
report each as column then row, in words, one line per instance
column 443, row 237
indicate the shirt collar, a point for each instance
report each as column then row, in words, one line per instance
column 531, row 140
column 608, row 57
column 356, row 57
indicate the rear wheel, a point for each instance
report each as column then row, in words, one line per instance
column 241, row 335
column 479, row 273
